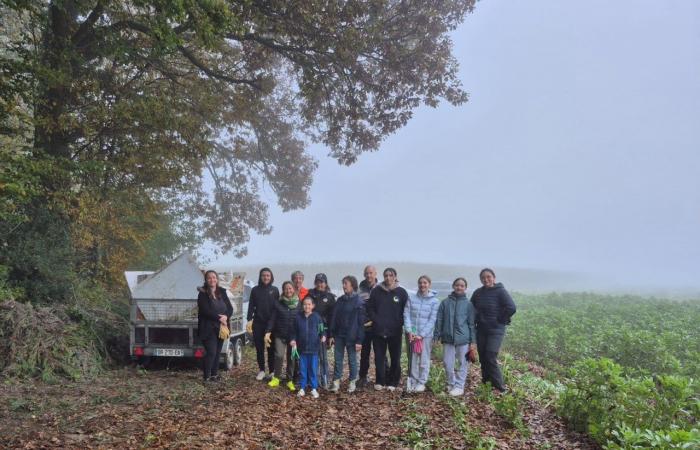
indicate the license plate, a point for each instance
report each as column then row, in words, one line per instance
column 169, row 352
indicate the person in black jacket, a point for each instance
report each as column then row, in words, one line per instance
column 214, row 311
column 494, row 308
column 385, row 309
column 324, row 302
column 263, row 299
column 365, row 288
column 281, row 324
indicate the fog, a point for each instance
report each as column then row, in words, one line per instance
column 578, row 153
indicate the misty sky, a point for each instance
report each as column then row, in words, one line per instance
column 579, row 149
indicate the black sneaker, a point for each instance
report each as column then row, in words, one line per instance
column 362, row 383
column 216, row 378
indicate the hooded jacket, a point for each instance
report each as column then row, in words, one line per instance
column 494, row 306
column 365, row 289
column 455, row 321
column 307, row 332
column 385, row 309
column 207, row 314
column 263, row 298
column 420, row 314
column 282, row 319
column 324, row 302
column 348, row 319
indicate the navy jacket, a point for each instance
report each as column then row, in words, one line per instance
column 207, row 315
column 385, row 309
column 348, row 319
column 307, row 331
column 494, row 307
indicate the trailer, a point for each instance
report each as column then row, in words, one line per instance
column 163, row 312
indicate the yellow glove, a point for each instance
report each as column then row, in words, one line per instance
column 249, row 327
column 224, row 333
column 268, row 339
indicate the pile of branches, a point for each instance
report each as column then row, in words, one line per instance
column 58, row 341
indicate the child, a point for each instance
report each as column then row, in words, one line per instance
column 305, row 342
column 455, row 328
column 347, row 331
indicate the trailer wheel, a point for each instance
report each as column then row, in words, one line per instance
column 230, row 357
column 237, row 350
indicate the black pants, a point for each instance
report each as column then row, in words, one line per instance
column 393, row 375
column 488, row 343
column 364, row 354
column 212, row 347
column 259, row 340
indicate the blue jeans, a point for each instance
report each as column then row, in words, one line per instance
column 340, row 346
column 308, row 365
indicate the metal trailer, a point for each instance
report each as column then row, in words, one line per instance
column 163, row 312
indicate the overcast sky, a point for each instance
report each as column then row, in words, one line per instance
column 579, row 149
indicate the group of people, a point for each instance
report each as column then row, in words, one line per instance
column 295, row 328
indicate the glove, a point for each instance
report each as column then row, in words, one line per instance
column 224, row 332
column 368, row 324
column 249, row 327
column 295, row 353
column 471, row 354
column 268, row 340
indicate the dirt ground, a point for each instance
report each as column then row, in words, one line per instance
column 169, row 407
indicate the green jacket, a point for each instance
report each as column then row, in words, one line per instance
column 455, row 321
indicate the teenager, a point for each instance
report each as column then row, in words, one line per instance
column 419, row 323
column 454, row 327
column 494, row 309
column 263, row 299
column 347, row 332
column 385, row 310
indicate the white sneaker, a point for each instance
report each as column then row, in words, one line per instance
column 336, row 386
column 314, row 393
column 260, row 375
column 456, row 392
column 419, row 388
column 391, row 388
column 352, row 387
column 378, row 387
column 301, row 393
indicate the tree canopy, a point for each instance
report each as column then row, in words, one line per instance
column 127, row 123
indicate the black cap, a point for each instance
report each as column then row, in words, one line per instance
column 321, row 277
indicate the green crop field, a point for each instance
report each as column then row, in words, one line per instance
column 629, row 365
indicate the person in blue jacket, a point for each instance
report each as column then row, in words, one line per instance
column 419, row 322
column 347, row 331
column 494, row 308
column 454, row 327
column 307, row 337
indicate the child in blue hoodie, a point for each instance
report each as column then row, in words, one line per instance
column 306, row 337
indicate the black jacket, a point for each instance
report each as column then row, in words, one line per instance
column 282, row 321
column 385, row 309
column 324, row 302
column 263, row 299
column 348, row 319
column 207, row 317
column 494, row 307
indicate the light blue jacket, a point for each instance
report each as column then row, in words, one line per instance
column 420, row 314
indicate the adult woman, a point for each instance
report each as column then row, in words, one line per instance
column 263, row 299
column 385, row 310
column 419, row 322
column 347, row 331
column 454, row 327
column 280, row 325
column 213, row 312
column 494, row 308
